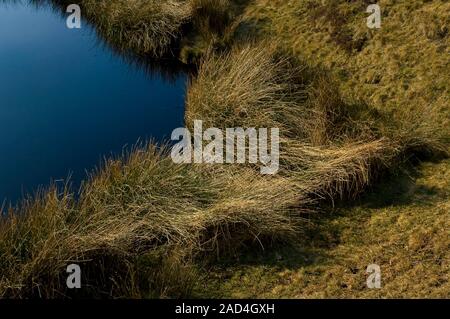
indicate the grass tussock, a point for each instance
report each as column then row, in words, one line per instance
column 143, row 210
column 143, row 27
column 327, row 144
column 153, row 27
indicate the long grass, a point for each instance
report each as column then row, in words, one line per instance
column 133, row 207
column 141, row 223
column 327, row 144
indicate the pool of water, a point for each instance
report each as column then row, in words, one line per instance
column 67, row 101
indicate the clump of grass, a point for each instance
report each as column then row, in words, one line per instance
column 328, row 146
column 141, row 27
column 156, row 28
column 144, row 205
column 144, row 27
column 245, row 86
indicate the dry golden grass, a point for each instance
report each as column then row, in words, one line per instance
column 144, row 205
column 141, row 222
column 401, row 225
column 143, row 27
column 401, row 70
column 403, row 67
column 151, row 28
column 326, row 143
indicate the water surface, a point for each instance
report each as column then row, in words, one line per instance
column 67, row 101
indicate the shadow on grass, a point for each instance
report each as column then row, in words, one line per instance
column 323, row 231
column 397, row 189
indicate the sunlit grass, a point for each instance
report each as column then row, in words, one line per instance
column 143, row 226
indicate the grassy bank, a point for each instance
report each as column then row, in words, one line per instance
column 403, row 68
column 143, row 226
column 401, row 224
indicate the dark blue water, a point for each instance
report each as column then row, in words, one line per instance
column 67, row 101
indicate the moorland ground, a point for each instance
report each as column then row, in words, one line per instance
column 363, row 116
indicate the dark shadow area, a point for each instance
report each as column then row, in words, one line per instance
column 396, row 189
